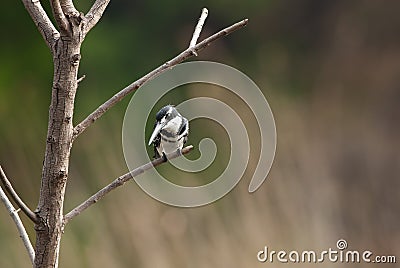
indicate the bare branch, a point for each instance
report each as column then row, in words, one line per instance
column 169, row 64
column 42, row 22
column 95, row 13
column 120, row 181
column 15, row 196
column 20, row 226
column 199, row 27
column 59, row 16
column 68, row 8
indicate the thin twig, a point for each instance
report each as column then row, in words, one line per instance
column 198, row 28
column 20, row 226
column 189, row 52
column 81, row 78
column 120, row 181
column 10, row 190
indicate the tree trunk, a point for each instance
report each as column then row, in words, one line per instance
column 66, row 59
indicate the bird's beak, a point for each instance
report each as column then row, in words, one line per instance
column 157, row 130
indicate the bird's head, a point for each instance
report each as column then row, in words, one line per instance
column 165, row 120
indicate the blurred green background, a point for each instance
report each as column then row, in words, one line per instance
column 331, row 73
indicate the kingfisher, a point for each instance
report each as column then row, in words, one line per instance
column 170, row 131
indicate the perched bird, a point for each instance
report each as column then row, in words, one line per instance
column 170, row 131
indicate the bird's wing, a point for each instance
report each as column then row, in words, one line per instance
column 156, row 143
column 184, row 128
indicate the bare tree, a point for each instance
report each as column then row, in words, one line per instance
column 64, row 41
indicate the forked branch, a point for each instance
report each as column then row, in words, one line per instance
column 120, row 181
column 189, row 52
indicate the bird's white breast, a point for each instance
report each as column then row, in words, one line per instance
column 169, row 147
column 173, row 125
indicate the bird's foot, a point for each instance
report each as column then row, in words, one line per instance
column 164, row 157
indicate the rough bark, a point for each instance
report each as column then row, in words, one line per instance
column 58, row 147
